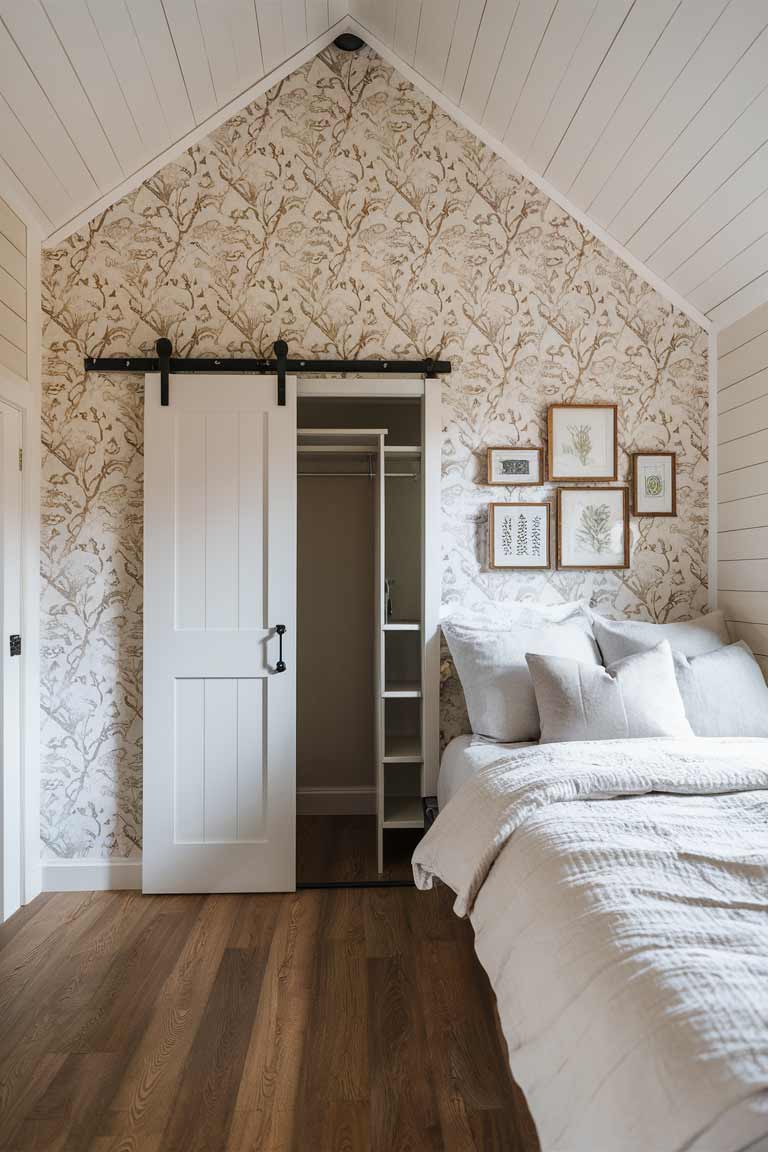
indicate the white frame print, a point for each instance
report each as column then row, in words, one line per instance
column 582, row 442
column 593, row 528
column 515, row 467
column 518, row 535
column 654, row 483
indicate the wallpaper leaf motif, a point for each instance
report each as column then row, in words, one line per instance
column 346, row 213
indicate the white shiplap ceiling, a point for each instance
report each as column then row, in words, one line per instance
column 648, row 118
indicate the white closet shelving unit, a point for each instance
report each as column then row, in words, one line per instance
column 400, row 768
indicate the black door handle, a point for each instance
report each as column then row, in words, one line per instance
column 280, row 666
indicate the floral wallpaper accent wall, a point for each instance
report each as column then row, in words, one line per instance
column 346, row 213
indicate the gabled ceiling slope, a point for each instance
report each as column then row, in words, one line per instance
column 646, row 118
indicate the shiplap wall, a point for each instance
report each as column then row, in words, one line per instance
column 743, row 479
column 13, row 291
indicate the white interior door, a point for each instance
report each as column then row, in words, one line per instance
column 219, row 576
column 10, row 665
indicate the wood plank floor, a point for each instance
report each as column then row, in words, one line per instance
column 343, row 848
column 321, row 1021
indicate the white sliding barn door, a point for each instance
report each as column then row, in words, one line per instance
column 219, row 576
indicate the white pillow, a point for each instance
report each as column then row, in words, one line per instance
column 620, row 638
column 489, row 654
column 724, row 692
column 636, row 697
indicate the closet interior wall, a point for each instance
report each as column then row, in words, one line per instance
column 336, row 633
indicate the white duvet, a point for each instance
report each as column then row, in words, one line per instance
column 619, row 895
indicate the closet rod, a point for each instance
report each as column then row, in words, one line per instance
column 362, row 475
column 335, row 449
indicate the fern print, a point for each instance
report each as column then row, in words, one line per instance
column 581, row 443
column 507, row 545
column 521, row 544
column 594, row 531
column 536, row 549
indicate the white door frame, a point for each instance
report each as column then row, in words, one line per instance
column 431, row 416
column 24, row 397
column 11, row 869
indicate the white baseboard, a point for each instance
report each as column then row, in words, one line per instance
column 120, row 873
column 84, row 875
column 358, row 801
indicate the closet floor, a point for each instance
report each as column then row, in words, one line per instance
column 337, row 1021
column 333, row 849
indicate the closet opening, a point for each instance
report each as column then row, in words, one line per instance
column 360, row 638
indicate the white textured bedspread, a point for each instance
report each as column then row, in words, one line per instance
column 619, row 895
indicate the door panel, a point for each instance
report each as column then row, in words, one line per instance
column 219, row 734
column 220, row 524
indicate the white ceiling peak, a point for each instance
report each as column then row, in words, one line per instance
column 645, row 119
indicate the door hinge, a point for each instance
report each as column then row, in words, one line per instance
column 15, row 645
column 21, row 459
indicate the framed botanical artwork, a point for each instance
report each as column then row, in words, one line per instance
column 593, row 528
column 518, row 535
column 654, row 484
column 582, row 442
column 515, row 466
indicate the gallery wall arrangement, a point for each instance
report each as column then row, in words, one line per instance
column 592, row 523
column 346, row 212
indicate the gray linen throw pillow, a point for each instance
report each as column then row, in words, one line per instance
column 635, row 697
column 620, row 638
column 724, row 692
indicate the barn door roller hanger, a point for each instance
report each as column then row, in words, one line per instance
column 281, row 366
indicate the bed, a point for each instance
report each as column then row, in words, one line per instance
column 618, row 890
column 463, row 757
